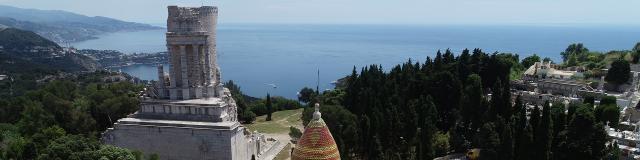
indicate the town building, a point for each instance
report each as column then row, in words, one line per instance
column 547, row 70
column 188, row 114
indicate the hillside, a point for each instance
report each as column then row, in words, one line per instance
column 51, row 32
column 24, row 51
column 15, row 39
column 62, row 26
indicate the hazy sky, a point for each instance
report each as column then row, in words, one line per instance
column 617, row 12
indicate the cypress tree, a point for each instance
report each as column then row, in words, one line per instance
column 269, row 107
column 428, row 115
column 519, row 124
column 524, row 151
column 579, row 134
column 599, row 140
column 501, row 100
column 506, row 138
column 472, row 101
column 534, row 119
column 544, row 133
column 489, row 141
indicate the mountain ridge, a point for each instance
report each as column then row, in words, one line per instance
column 63, row 26
column 31, row 51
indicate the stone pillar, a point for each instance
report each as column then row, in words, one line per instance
column 202, row 68
column 214, row 66
column 173, row 68
column 208, row 66
column 197, row 65
column 161, row 85
column 209, row 91
column 197, row 74
column 184, row 68
column 161, row 76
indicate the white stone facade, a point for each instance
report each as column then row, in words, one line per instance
column 187, row 114
column 191, row 43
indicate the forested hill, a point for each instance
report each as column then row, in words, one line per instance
column 62, row 26
column 15, row 39
column 24, row 51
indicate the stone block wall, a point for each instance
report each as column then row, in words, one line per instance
column 180, row 143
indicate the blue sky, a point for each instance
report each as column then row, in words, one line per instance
column 516, row 12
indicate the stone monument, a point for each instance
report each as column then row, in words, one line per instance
column 188, row 114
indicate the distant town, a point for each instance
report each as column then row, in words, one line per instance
column 113, row 58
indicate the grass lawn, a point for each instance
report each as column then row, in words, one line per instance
column 280, row 122
column 284, row 154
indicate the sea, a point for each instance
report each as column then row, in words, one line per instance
column 280, row 59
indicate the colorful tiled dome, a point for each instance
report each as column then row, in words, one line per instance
column 316, row 142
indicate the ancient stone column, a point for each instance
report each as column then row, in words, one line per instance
column 173, row 69
column 201, row 66
column 208, row 67
column 185, row 72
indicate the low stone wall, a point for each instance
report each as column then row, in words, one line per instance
column 180, row 143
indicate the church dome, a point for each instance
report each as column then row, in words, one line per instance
column 316, row 142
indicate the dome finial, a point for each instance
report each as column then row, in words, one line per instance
column 317, row 114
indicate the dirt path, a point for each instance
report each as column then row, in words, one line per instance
column 284, row 137
column 284, row 121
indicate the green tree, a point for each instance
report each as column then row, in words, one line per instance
column 526, row 62
column 14, row 146
column 306, row 94
column 269, row 107
column 42, row 139
column 489, row 141
column 70, row 147
column 635, row 52
column 114, row 153
column 619, row 73
column 572, row 61
column 606, row 100
column 534, row 119
column 599, row 141
column 635, row 56
column 248, row 117
column 500, row 101
column 441, row 143
column 526, row 143
column 544, row 134
column 520, row 125
column 574, row 49
column 294, row 132
column 607, row 114
column 154, row 157
column 138, row 155
column 579, row 134
column 427, row 117
column 613, row 151
column 559, row 119
column 34, row 118
column 472, row 101
column 506, row 140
